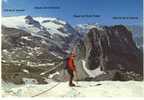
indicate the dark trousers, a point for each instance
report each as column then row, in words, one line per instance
column 70, row 72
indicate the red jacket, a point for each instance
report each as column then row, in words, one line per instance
column 70, row 64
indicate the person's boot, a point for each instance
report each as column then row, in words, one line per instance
column 71, row 84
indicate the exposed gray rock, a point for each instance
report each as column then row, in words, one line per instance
column 110, row 48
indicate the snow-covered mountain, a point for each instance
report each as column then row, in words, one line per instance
column 39, row 24
column 84, row 28
column 29, row 42
column 44, row 27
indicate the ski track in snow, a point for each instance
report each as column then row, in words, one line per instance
column 84, row 89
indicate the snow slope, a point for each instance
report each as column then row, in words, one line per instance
column 92, row 73
column 19, row 23
column 39, row 24
column 86, row 89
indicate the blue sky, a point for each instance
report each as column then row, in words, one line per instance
column 105, row 8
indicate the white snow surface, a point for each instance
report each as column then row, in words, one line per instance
column 85, row 89
column 52, row 75
column 26, row 71
column 19, row 23
column 84, row 28
column 50, row 24
column 92, row 73
column 26, row 38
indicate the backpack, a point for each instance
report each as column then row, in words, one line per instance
column 65, row 63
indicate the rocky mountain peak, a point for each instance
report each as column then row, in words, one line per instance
column 110, row 49
column 29, row 20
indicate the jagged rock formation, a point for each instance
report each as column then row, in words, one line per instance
column 137, row 35
column 110, row 48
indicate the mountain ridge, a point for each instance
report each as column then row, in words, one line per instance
column 33, row 46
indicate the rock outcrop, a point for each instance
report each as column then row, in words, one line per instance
column 110, row 48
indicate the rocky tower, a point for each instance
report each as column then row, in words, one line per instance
column 110, row 48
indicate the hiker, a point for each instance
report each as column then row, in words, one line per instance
column 71, row 68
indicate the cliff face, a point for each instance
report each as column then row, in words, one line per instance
column 110, row 48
